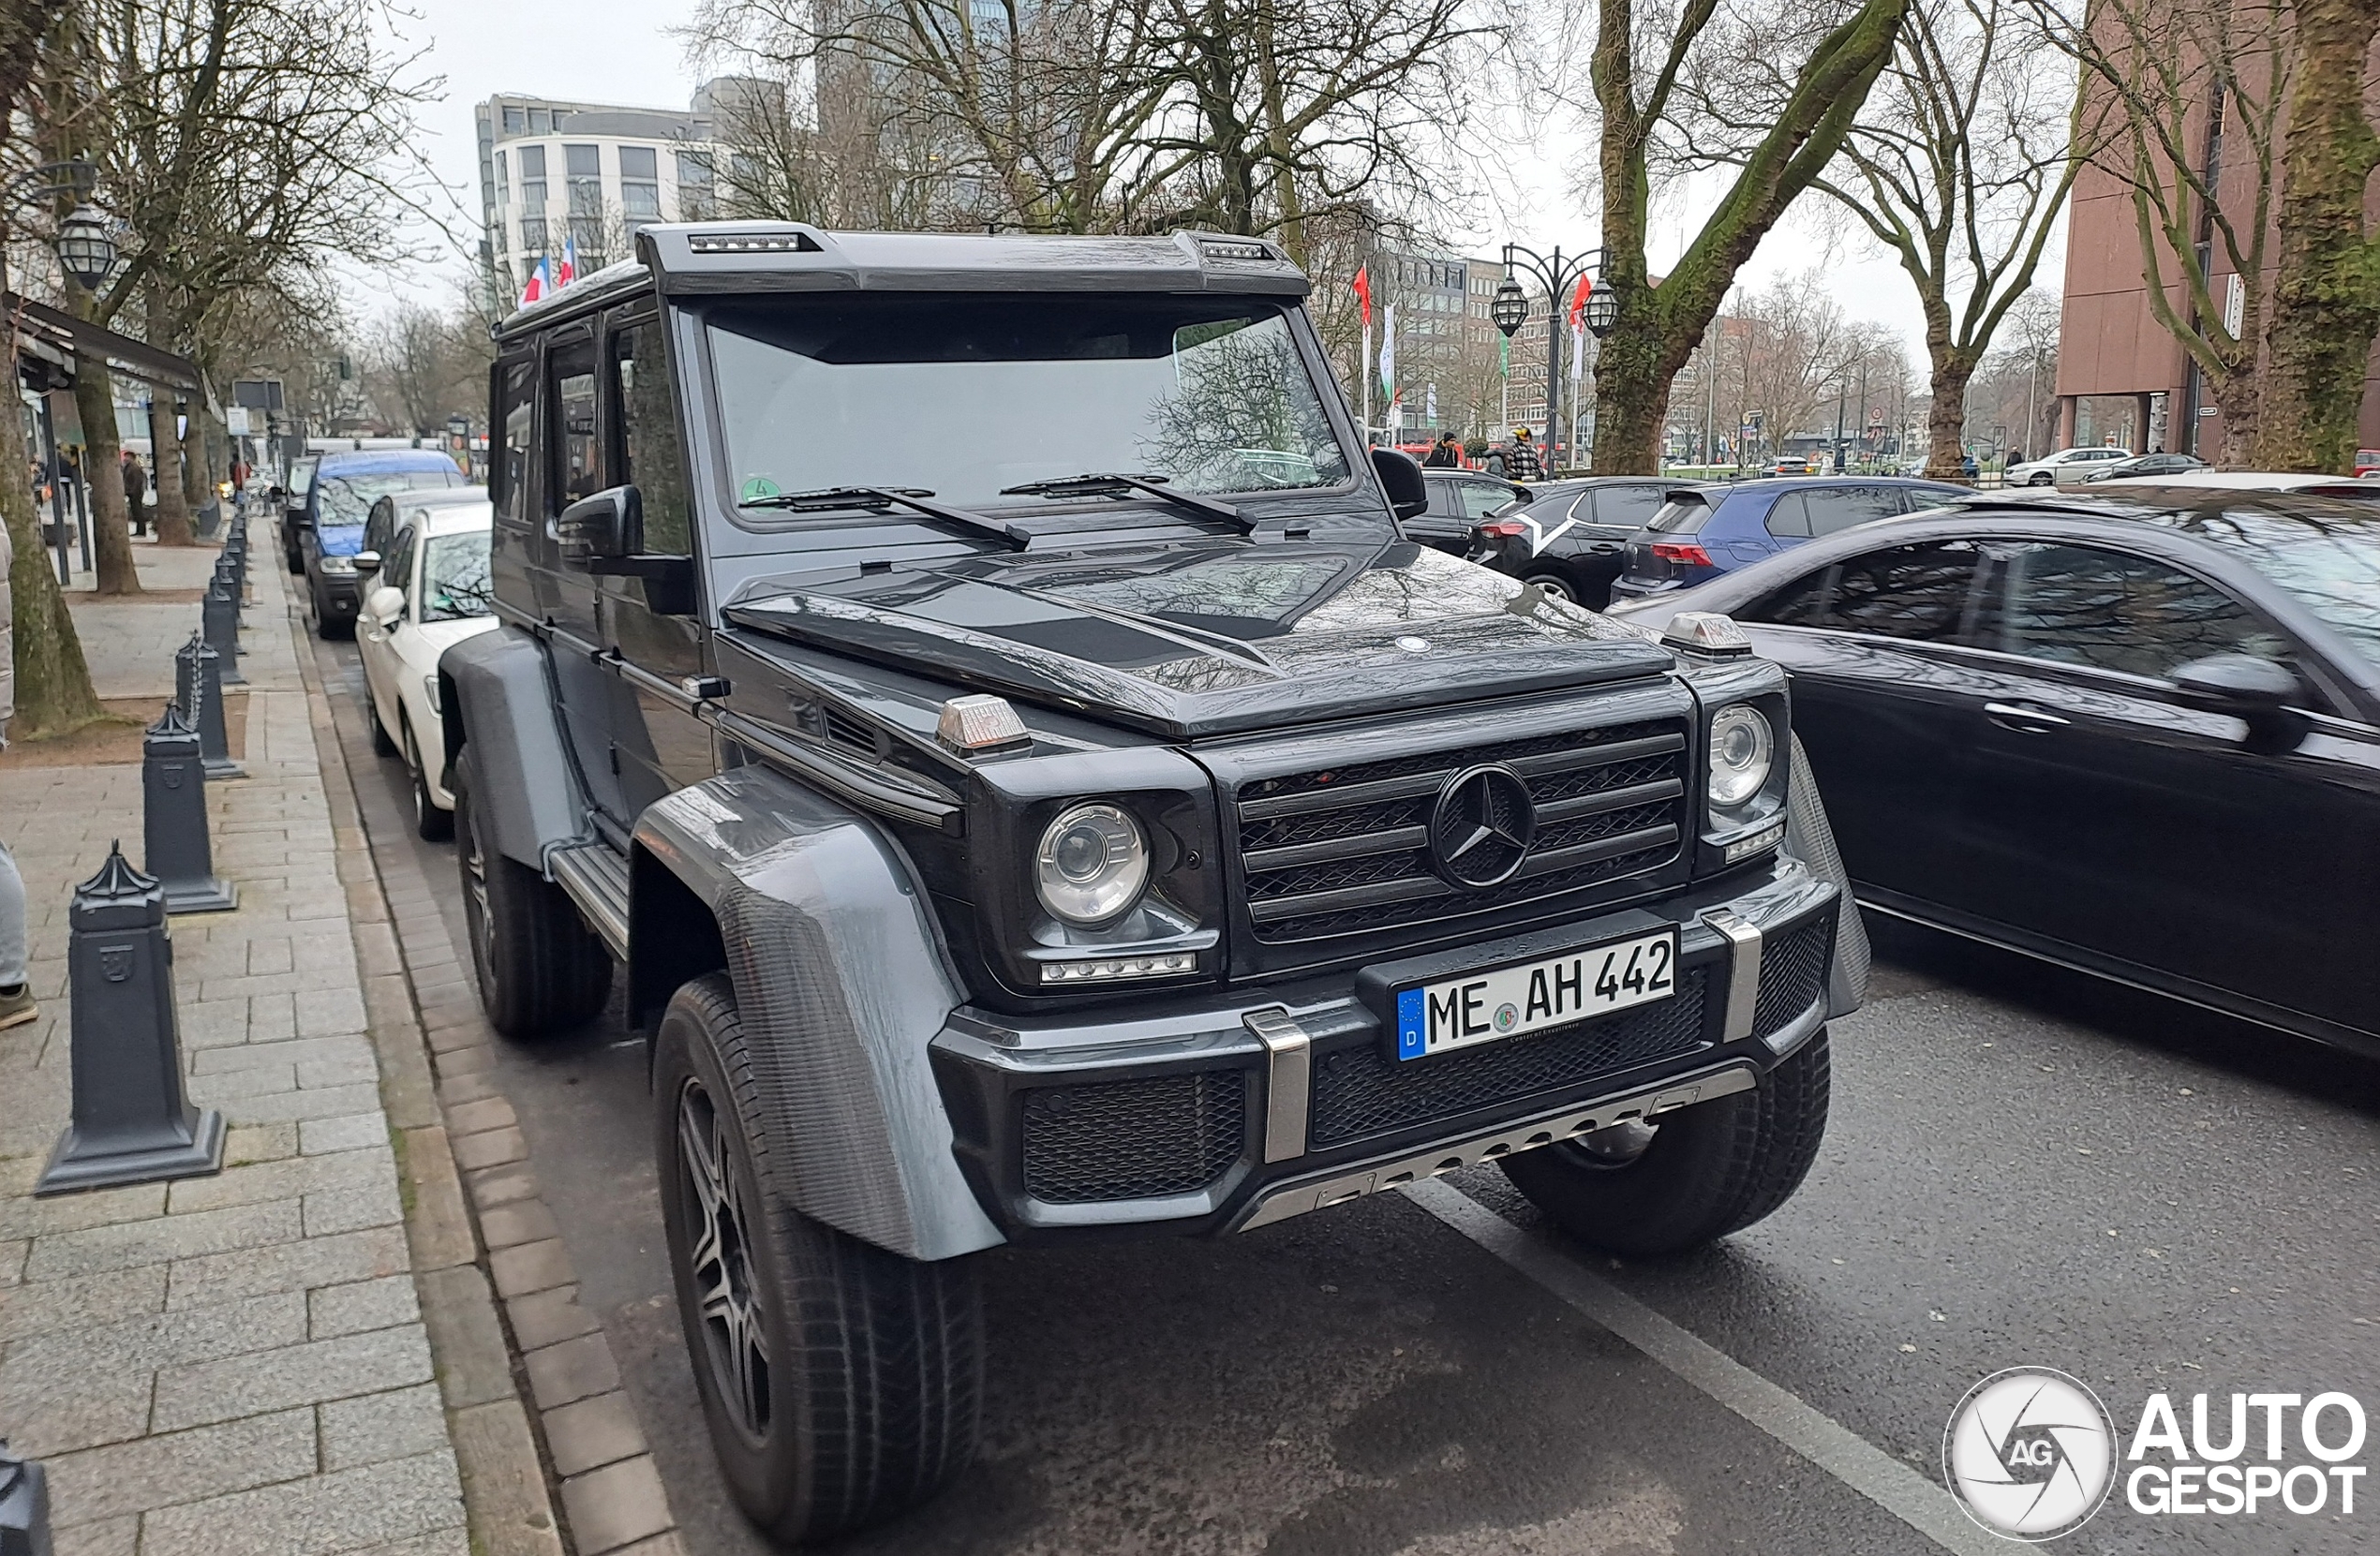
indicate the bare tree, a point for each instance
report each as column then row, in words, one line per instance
column 53, row 692
column 1960, row 165
column 1841, row 47
column 2183, row 102
column 422, row 366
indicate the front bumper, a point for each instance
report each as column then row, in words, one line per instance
column 337, row 595
column 1270, row 1102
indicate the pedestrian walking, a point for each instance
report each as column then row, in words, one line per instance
column 136, row 488
column 16, row 992
column 1520, row 461
column 1446, row 454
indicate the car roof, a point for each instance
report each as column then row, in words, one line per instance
column 732, row 258
column 454, row 518
column 375, row 461
column 2256, row 480
column 1819, row 484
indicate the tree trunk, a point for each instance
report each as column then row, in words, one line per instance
column 54, row 684
column 173, row 507
column 2238, row 397
column 102, row 455
column 2325, row 308
column 1946, row 420
column 1632, row 379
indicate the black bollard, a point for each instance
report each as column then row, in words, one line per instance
column 227, row 578
column 219, row 620
column 174, row 821
column 197, row 688
column 24, row 1507
column 132, row 1122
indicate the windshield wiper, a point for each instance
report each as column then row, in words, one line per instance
column 826, row 499
column 1098, row 485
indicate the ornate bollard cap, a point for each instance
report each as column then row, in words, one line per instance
column 118, row 897
column 171, row 725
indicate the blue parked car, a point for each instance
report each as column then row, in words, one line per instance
column 330, row 527
column 1702, row 532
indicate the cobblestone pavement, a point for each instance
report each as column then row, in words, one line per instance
column 238, row 1363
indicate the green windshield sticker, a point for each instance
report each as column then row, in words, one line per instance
column 757, row 487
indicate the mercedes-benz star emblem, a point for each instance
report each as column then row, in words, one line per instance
column 1483, row 828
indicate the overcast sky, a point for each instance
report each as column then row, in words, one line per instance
column 614, row 51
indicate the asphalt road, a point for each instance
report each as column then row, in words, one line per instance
column 2023, row 1167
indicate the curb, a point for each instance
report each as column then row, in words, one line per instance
column 585, row 1444
column 505, row 1493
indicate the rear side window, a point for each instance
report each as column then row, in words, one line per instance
column 1683, row 515
column 1841, row 507
column 1790, row 519
column 1632, row 507
column 1480, row 499
column 2115, row 611
column 1932, row 497
column 1916, row 594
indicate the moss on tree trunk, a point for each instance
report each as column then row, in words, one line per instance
column 110, row 523
column 54, row 684
column 2325, row 300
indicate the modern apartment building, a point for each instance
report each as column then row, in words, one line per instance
column 595, row 173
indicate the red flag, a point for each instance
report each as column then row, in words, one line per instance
column 1362, row 285
column 1578, row 302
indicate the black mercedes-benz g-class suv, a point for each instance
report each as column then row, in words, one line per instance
column 979, row 689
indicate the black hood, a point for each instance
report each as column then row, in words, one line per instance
column 1209, row 638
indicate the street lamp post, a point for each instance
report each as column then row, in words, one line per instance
column 1510, row 310
column 86, row 252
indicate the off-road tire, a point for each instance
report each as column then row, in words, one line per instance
column 1711, row 1169
column 430, row 824
column 541, row 970
column 873, row 1383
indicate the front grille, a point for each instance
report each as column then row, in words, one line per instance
column 1360, row 1092
column 1133, row 1139
column 1793, row 972
column 1337, row 851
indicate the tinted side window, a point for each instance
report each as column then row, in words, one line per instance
column 1789, row 518
column 516, row 390
column 397, row 571
column 1918, row 594
column 1480, row 499
column 644, row 411
column 577, row 467
column 2076, row 606
column 1629, row 505
column 1846, row 506
column 1443, row 501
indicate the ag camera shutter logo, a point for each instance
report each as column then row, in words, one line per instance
column 2029, row 1454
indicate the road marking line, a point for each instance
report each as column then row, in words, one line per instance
column 1908, row 1496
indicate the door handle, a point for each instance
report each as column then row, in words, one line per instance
column 2024, row 718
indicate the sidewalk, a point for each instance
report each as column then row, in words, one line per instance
column 236, row 1364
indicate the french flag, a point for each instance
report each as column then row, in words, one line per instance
column 540, row 283
column 569, row 272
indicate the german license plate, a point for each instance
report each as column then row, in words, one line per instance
column 1526, row 996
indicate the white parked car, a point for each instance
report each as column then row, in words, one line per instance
column 2064, row 467
column 432, row 591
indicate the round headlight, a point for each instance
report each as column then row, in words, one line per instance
column 1742, row 747
column 1091, row 865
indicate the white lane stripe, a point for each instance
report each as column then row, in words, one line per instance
column 1908, row 1496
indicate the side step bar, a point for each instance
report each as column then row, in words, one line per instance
column 596, row 879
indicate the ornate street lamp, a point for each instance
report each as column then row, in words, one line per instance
column 1603, row 311
column 1510, row 309
column 86, row 249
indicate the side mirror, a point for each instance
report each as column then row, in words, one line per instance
column 367, row 561
column 602, row 527
column 384, row 604
column 2261, row 694
column 1400, row 478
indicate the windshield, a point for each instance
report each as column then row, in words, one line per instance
column 347, row 500
column 966, row 394
column 455, row 583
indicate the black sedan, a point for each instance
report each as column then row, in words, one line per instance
column 2136, row 733
column 1574, row 538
